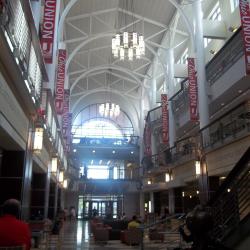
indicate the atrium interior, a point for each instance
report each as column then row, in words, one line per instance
column 119, row 108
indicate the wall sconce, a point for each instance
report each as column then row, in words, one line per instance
column 183, row 194
column 65, row 183
column 149, row 207
column 149, row 182
column 38, row 140
column 197, row 167
column 54, row 165
column 167, row 177
column 61, row 176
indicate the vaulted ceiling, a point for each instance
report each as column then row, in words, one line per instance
column 93, row 71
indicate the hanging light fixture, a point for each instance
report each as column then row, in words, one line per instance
column 61, row 176
column 128, row 44
column 54, row 165
column 38, row 140
column 109, row 109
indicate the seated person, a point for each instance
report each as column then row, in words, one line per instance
column 13, row 232
column 134, row 223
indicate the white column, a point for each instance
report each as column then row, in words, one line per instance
column 153, row 100
column 141, row 127
column 201, row 73
column 170, row 63
column 36, row 10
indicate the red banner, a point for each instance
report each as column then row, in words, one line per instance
column 147, row 140
column 165, row 119
column 192, row 90
column 65, row 117
column 60, row 78
column 245, row 23
column 48, row 30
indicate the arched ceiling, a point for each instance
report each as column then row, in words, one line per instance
column 87, row 33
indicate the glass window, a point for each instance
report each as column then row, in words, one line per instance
column 98, row 172
column 98, row 128
column 215, row 14
column 183, row 58
column 234, row 4
column 207, row 41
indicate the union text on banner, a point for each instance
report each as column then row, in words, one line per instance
column 245, row 23
column 165, row 119
column 192, row 90
column 60, row 78
column 65, row 121
column 48, row 29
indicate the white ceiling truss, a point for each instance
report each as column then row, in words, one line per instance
column 87, row 36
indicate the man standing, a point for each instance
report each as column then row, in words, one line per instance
column 13, row 232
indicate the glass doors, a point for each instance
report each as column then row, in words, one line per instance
column 106, row 206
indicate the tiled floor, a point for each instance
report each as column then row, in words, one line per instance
column 77, row 236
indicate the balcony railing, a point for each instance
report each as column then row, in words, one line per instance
column 228, row 55
column 154, row 115
column 231, row 204
column 22, row 44
column 126, row 141
column 232, row 125
column 184, row 150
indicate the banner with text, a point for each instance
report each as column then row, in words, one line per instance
column 48, row 30
column 65, row 117
column 60, row 79
column 192, row 90
column 245, row 23
column 147, row 140
column 165, row 119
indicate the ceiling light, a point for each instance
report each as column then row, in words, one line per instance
column 128, row 44
column 108, row 162
column 109, row 109
column 92, row 161
column 149, row 182
column 100, row 162
column 197, row 192
column 93, row 151
column 74, row 150
column 131, row 152
column 113, row 152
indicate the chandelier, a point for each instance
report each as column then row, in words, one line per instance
column 109, row 109
column 128, row 45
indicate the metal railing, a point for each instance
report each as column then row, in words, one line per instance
column 231, row 203
column 184, row 150
column 126, row 141
column 230, row 53
column 19, row 37
column 154, row 115
column 169, row 233
column 232, row 125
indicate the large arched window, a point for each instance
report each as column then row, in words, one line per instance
column 90, row 124
column 98, row 128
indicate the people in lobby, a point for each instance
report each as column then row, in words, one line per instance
column 13, row 231
column 133, row 223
